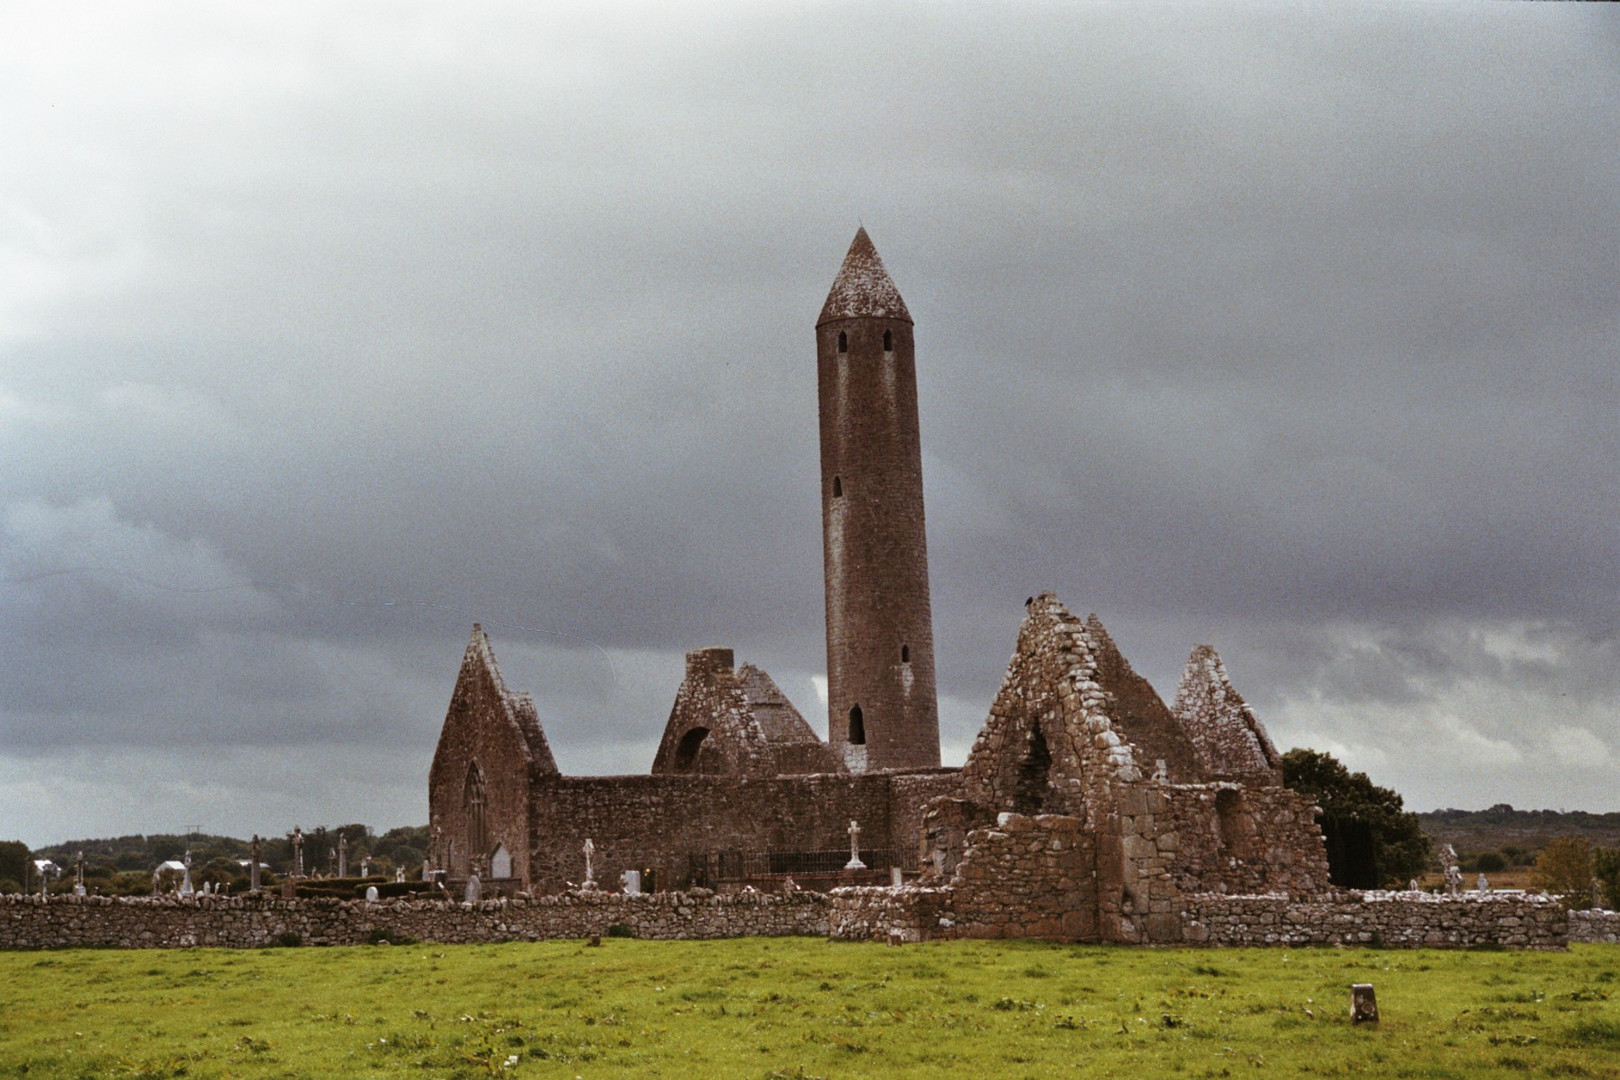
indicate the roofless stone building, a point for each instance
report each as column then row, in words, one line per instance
column 1086, row 810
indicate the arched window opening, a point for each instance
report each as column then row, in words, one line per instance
column 1029, row 791
column 905, row 654
column 687, row 750
column 474, row 802
column 843, row 342
column 838, row 488
column 888, row 341
column 857, row 727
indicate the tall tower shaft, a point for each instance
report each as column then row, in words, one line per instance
column 882, row 709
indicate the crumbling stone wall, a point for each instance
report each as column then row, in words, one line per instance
column 478, row 786
column 1222, row 837
column 677, row 825
column 1139, row 715
column 737, row 722
column 1049, row 745
column 1028, row 877
column 27, row 922
column 1230, row 741
column 1345, row 917
column 1594, row 926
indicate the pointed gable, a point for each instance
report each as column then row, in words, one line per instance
column 863, row 288
column 490, row 748
column 1231, row 742
column 1139, row 713
column 1049, row 745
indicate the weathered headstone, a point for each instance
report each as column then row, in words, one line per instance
column 399, row 875
column 1482, row 884
column 475, row 889
column 897, row 877
column 371, row 894
column 630, row 880
column 1363, row 1004
column 854, row 847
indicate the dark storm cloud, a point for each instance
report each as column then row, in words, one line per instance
column 325, row 335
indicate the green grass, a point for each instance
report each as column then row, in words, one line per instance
column 804, row 1008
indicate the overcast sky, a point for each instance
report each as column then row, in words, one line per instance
column 327, row 331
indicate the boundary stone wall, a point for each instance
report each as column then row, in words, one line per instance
column 1594, row 927
column 27, row 922
column 1405, row 919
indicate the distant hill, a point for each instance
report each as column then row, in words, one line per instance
column 1502, row 828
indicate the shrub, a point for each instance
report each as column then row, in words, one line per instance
column 290, row 940
column 619, row 930
column 1564, row 869
column 1490, row 863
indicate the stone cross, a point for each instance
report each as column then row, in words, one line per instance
column 343, row 856
column 854, row 847
column 365, row 866
column 590, row 871
column 298, row 852
column 186, row 887
column 399, row 875
column 78, row 877
column 255, row 850
column 1482, row 884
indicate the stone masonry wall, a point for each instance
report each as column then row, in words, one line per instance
column 1378, row 918
column 27, row 922
column 1231, row 742
column 663, row 822
column 1594, row 927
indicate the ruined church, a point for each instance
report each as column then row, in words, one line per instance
column 1136, row 803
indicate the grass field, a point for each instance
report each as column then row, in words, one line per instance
column 765, row 1008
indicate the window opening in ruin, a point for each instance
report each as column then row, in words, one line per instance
column 905, row 654
column 1029, row 792
column 843, row 341
column 838, row 488
column 888, row 341
column 686, row 751
column 474, row 800
column 1230, row 818
column 857, row 727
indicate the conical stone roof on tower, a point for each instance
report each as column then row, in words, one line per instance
column 863, row 288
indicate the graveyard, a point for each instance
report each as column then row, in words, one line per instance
column 799, row 1007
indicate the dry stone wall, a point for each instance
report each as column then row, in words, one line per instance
column 27, row 922
column 1405, row 919
column 1594, row 927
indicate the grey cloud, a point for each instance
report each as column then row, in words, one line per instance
column 1240, row 326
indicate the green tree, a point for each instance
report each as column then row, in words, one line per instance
column 13, row 859
column 1372, row 839
column 1606, row 868
column 1564, row 869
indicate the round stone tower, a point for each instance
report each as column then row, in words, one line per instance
column 882, row 712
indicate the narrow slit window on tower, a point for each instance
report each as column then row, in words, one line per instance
column 905, row 654
column 857, row 727
column 888, row 341
column 843, row 341
column 838, row 488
